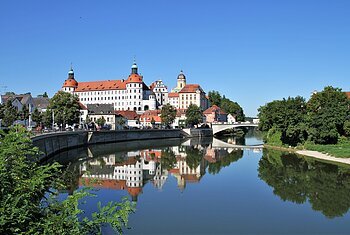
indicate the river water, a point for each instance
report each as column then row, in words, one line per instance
column 211, row 187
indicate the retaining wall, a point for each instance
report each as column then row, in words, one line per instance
column 52, row 143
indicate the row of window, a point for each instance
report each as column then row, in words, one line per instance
column 107, row 98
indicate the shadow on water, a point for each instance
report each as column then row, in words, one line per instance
column 297, row 179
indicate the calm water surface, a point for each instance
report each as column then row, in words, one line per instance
column 201, row 187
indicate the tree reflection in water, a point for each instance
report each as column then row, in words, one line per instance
column 296, row 179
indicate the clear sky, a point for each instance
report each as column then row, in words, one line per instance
column 253, row 51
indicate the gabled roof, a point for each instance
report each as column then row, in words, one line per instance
column 190, row 88
column 214, row 109
column 23, row 98
column 101, row 85
column 128, row 114
column 100, row 108
column 41, row 102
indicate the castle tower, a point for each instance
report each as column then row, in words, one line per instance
column 70, row 83
column 134, row 89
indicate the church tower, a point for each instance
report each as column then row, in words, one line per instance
column 181, row 82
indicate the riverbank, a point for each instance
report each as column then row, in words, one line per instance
column 53, row 143
column 311, row 153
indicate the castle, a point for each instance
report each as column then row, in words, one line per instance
column 133, row 93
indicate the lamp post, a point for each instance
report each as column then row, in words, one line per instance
column 53, row 119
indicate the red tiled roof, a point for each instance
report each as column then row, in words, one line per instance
column 128, row 114
column 214, row 109
column 152, row 85
column 190, row 178
column 151, row 113
column 103, row 183
column 173, row 95
column 70, row 82
column 82, row 107
column 135, row 78
column 174, row 171
column 190, row 88
column 347, row 94
column 134, row 191
column 101, row 85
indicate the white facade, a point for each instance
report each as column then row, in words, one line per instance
column 173, row 99
column 131, row 94
column 161, row 92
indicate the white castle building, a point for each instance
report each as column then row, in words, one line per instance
column 130, row 94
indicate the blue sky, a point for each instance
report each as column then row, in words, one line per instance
column 253, row 51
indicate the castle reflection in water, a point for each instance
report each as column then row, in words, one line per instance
column 131, row 170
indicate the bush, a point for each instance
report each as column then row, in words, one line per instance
column 29, row 195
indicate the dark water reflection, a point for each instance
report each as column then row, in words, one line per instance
column 200, row 187
column 296, row 179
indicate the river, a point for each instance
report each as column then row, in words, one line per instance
column 198, row 187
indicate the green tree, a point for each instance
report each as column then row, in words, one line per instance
column 101, row 121
column 9, row 113
column 168, row 114
column 194, row 115
column 214, row 98
column 193, row 157
column 347, row 128
column 233, row 108
column 65, row 107
column 29, row 195
column 45, row 95
column 168, row 159
column 327, row 113
column 287, row 117
column 24, row 113
column 47, row 118
column 37, row 116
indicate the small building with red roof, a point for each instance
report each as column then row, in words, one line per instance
column 215, row 114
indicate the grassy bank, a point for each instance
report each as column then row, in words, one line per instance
column 341, row 150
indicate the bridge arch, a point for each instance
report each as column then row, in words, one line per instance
column 218, row 127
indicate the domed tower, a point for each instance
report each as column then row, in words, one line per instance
column 70, row 84
column 134, row 89
column 181, row 80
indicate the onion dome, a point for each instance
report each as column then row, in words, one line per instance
column 181, row 75
column 134, row 68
